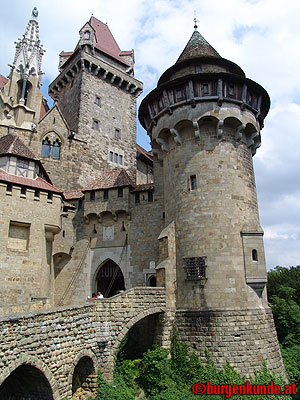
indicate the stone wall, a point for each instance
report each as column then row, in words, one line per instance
column 243, row 338
column 55, row 341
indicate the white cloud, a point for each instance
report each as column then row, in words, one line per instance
column 259, row 35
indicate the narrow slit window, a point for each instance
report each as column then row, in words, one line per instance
column 150, row 196
column 111, row 156
column 50, row 196
column 56, row 150
column 137, row 198
column 120, row 159
column 95, row 124
column 80, row 204
column 193, row 182
column 23, row 191
column 116, row 157
column 105, row 194
column 36, row 193
column 254, row 255
column 92, row 195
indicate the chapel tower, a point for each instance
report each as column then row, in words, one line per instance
column 21, row 100
column 204, row 119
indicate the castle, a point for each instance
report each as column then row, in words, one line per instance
column 85, row 209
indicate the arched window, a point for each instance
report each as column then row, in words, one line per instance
column 56, row 149
column 254, row 255
column 46, row 146
column 87, row 35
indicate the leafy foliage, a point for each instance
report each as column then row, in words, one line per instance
column 164, row 375
column 284, row 277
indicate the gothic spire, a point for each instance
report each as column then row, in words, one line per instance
column 197, row 46
column 29, row 51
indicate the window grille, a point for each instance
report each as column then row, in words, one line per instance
column 195, row 268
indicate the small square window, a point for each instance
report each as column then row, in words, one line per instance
column 95, row 124
column 23, row 191
column 120, row 159
column 120, row 192
column 92, row 195
column 116, row 158
column 98, row 101
column 137, row 197
column 105, row 194
column 117, row 133
column 193, row 182
column 9, row 187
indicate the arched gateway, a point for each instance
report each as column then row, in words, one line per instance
column 109, row 279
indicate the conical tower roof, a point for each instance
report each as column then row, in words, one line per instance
column 197, row 46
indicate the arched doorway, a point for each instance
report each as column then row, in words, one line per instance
column 110, row 279
column 84, row 380
column 152, row 281
column 26, row 382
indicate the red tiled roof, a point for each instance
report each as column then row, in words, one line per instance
column 145, row 153
column 69, row 205
column 3, row 81
column 109, row 179
column 73, row 194
column 37, row 183
column 105, row 41
column 143, row 187
column 11, row 144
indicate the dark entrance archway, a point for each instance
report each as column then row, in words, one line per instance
column 26, row 382
column 110, row 279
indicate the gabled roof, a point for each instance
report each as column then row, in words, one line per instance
column 12, row 144
column 197, row 46
column 109, row 179
column 37, row 183
column 105, row 41
column 3, row 81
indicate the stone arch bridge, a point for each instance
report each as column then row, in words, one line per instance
column 58, row 351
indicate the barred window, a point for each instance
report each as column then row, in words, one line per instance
column 195, row 268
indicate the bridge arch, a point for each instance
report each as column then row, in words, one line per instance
column 84, row 366
column 109, row 366
column 33, row 366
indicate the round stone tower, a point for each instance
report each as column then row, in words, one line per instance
column 204, row 119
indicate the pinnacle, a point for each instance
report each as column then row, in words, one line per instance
column 197, row 46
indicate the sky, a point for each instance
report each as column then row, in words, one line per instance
column 261, row 36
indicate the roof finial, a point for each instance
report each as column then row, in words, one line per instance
column 195, row 21
column 35, row 12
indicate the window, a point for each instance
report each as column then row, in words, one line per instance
column 86, row 35
column 193, row 182
column 120, row 192
column 36, row 193
column 56, row 150
column 92, row 195
column 95, row 124
column 198, row 69
column 231, row 90
column 116, row 158
column 98, row 101
column 195, row 268
column 120, row 159
column 205, row 88
column 80, row 204
column 53, row 149
column 111, row 156
column 105, row 194
column 254, row 255
column 150, row 196
column 137, row 197
column 117, row 133
column 45, row 148
column 50, row 196
column 23, row 191
column 18, row 236
column 9, row 187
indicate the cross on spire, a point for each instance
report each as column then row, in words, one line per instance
column 195, row 21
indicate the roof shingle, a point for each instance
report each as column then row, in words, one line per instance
column 11, row 144
column 109, row 179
